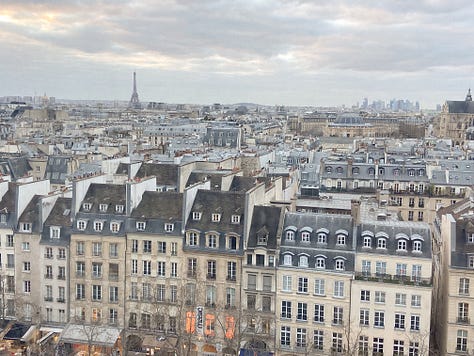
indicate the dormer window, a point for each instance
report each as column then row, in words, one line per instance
column 290, row 235
column 341, row 240
column 235, row 219
column 215, row 217
column 55, row 232
column 169, row 227
column 470, row 261
column 382, row 242
column 303, row 261
column 355, row 170
column 3, row 218
column 322, row 238
column 417, row 246
column 411, row 172
column 81, row 225
column 287, row 260
column 87, row 206
column 196, row 215
column 119, row 208
column 98, row 225
column 114, row 227
column 305, row 236
column 25, row 227
column 329, row 169
column 367, row 242
column 371, row 171
column 103, row 208
column 192, row 239
column 141, row 225
column 401, row 245
column 340, row 264
column 470, row 238
column 320, row 262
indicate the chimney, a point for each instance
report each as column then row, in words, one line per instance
column 355, row 211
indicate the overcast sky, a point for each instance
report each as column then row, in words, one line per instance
column 264, row 51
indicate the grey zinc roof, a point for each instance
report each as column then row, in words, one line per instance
column 166, row 174
column 60, row 216
column 110, row 194
column 392, row 229
column 265, row 220
column 460, row 107
column 31, row 213
column 160, row 205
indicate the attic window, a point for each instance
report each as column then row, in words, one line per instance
column 81, row 225
column 235, row 219
column 3, row 218
column 196, row 215
column 25, row 227
column 86, row 206
column 169, row 227
column 103, row 208
column 55, row 232
column 216, row 217
column 140, row 225
column 119, row 208
column 114, row 227
column 98, row 225
column 470, row 238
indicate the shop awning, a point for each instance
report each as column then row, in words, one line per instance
column 29, row 334
column 95, row 334
column 46, row 337
column 16, row 331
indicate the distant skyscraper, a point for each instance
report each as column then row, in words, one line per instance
column 134, row 101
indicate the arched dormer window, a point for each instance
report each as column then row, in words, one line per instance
column 288, row 259
column 322, row 235
column 367, row 242
column 341, row 236
column 371, row 171
column 320, row 262
column 339, row 263
column 355, row 170
column 381, row 242
column 303, row 262
column 339, row 170
column 305, row 236
column 381, row 171
column 328, row 169
column 396, row 172
column 402, row 240
column 290, row 235
column 417, row 246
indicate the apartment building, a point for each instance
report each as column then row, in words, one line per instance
column 154, row 272
column 259, row 284
column 392, row 289
column 453, row 314
column 315, row 270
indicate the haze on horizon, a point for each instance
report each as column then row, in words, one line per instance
column 289, row 52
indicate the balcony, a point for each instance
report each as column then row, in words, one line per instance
column 211, row 276
column 48, row 256
column 48, row 299
column 61, row 300
column 388, row 278
column 61, row 257
column 62, row 277
column 231, row 278
column 462, row 320
column 48, row 276
column 96, row 275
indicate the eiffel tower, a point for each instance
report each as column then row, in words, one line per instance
column 134, row 101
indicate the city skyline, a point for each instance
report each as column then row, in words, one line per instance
column 267, row 52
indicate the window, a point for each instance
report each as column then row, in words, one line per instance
column 379, row 319
column 377, row 346
column 113, row 315
column 174, row 294
column 55, row 232
column 26, row 267
column 134, row 245
column 103, row 208
column 161, row 272
column 319, row 287
column 363, row 345
column 251, row 301
column 470, row 261
column 113, row 294
column 9, row 240
column 96, row 292
column 145, row 321
column 192, row 267
column 417, row 246
column 416, row 300
column 400, row 299
column 80, row 269
column 366, row 267
column 338, row 315
column 161, row 247
column 114, row 227
column 235, row 219
column 141, row 225
column 341, row 240
column 461, row 341
column 414, row 349
column 303, row 261
column 132, row 320
column 401, row 269
column 96, row 270
column 81, row 225
column 463, row 313
column 86, row 206
column 49, row 272
column 367, row 242
column 381, row 242
column 26, row 286
column 25, row 246
column 160, row 292
column 364, row 317
column 134, row 266
column 252, row 282
column 287, row 260
column 98, row 225
column 113, row 250
column 212, row 241
column 119, row 208
column 401, row 245
column 285, row 336
column 196, row 215
column 399, row 321
column 320, row 262
column 318, row 340
column 215, row 217
column 286, row 309
column 25, row 227
column 337, row 342
column 290, row 235
column 147, row 268
column 211, row 269
column 267, row 283
column 231, row 271
column 147, row 246
column 230, row 297
column 410, row 215
column 319, row 313
column 174, row 249
column 339, row 289
column 415, row 323
column 398, row 347
column 340, row 265
column 232, row 242
column 174, row 269
column 464, row 286
column 322, row 238
column 380, row 268
column 300, row 337
column 305, row 237
column 192, row 239
column 470, row 238
column 287, row 283
column 113, row 271
column 169, row 227
column 302, row 312
column 420, row 216
column 416, row 273
column 365, row 295
column 80, row 291
column 97, row 249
